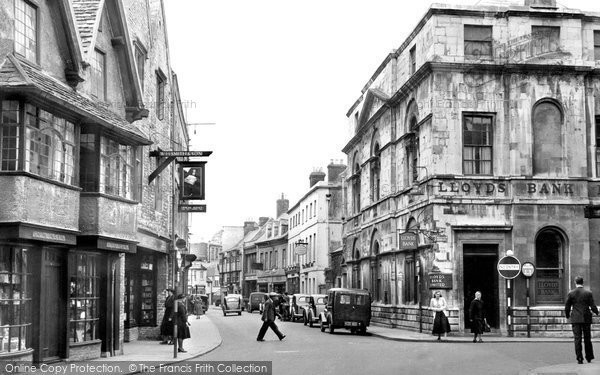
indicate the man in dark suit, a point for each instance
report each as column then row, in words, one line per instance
column 582, row 302
column 268, row 319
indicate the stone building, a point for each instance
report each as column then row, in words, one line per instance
column 72, row 172
column 315, row 233
column 479, row 135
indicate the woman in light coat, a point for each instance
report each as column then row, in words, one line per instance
column 440, row 321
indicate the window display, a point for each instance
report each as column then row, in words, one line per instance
column 84, row 282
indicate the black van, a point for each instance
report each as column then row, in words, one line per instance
column 347, row 308
column 255, row 301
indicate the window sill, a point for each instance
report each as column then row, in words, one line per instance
column 18, row 353
column 40, row 178
column 108, row 196
column 84, row 343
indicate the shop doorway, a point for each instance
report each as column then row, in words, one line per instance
column 480, row 274
column 53, row 301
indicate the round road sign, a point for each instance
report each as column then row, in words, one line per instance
column 528, row 269
column 509, row 267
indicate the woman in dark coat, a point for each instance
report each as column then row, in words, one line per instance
column 477, row 317
column 166, row 327
column 183, row 331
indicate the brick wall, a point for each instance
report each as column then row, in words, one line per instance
column 84, row 352
column 407, row 317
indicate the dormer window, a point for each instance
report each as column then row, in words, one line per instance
column 98, row 75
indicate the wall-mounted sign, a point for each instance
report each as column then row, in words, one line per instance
column 301, row 248
column 408, row 241
column 440, row 280
column 192, row 177
column 161, row 153
column 192, row 208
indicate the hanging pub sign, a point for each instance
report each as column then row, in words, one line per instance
column 192, row 180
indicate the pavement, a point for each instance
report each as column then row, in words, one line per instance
column 205, row 337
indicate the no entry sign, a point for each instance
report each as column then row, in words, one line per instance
column 509, row 267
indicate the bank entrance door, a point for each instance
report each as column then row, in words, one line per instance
column 480, row 274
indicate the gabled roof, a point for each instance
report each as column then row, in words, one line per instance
column 17, row 73
column 87, row 16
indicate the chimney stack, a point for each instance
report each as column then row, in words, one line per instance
column 249, row 226
column 315, row 177
column 334, row 170
column 262, row 221
column 283, row 205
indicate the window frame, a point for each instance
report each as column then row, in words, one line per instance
column 596, row 43
column 468, row 45
column 492, row 117
column 161, row 81
column 141, row 55
column 98, row 76
column 560, row 269
column 412, row 60
column 597, row 146
column 536, row 31
column 60, row 148
column 36, row 32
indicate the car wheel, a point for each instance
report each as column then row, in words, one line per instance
column 353, row 330
column 322, row 326
column 224, row 313
column 239, row 313
column 304, row 320
column 330, row 327
column 362, row 331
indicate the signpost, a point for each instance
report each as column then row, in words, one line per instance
column 509, row 267
column 528, row 269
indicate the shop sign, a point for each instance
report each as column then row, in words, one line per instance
column 46, row 235
column 192, row 208
column 125, row 247
column 547, row 288
column 407, row 241
column 440, row 280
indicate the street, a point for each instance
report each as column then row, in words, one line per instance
column 309, row 351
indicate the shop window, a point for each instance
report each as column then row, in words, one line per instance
column 478, row 41
column 547, row 134
column 477, row 144
column 26, row 30
column 15, row 300
column 84, row 296
column 549, row 253
column 545, row 39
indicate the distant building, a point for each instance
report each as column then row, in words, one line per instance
column 315, row 233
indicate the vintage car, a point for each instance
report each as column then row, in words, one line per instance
column 255, row 301
column 316, row 305
column 232, row 303
column 347, row 308
column 281, row 304
column 298, row 304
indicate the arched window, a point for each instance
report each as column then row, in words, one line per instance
column 356, row 185
column 375, row 169
column 549, row 255
column 375, row 270
column 547, row 138
column 355, row 267
column 410, row 268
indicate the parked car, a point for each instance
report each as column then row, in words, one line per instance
column 316, row 305
column 232, row 303
column 347, row 308
column 298, row 305
column 255, row 301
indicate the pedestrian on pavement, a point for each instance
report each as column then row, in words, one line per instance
column 166, row 326
column 582, row 303
column 268, row 318
column 183, row 331
column 477, row 317
column 440, row 321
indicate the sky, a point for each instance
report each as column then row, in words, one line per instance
column 269, row 83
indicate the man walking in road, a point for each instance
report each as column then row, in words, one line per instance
column 268, row 319
column 582, row 302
